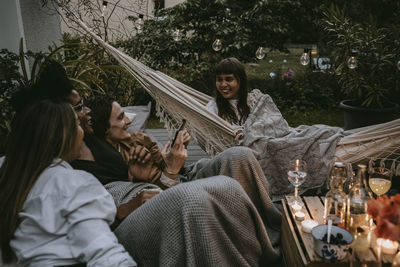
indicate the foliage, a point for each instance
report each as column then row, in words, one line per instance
column 92, row 71
column 241, row 25
column 376, row 78
column 299, row 92
column 10, row 80
column 89, row 68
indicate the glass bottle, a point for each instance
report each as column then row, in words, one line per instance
column 359, row 222
column 335, row 199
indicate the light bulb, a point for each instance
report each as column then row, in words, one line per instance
column 352, row 61
column 217, row 45
column 398, row 65
column 305, row 58
column 284, row 61
column 260, row 53
column 104, row 10
column 271, row 61
column 177, row 35
column 139, row 23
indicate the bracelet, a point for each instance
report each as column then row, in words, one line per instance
column 170, row 173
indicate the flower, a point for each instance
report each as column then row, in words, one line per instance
column 386, row 213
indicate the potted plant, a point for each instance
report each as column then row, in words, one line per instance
column 365, row 60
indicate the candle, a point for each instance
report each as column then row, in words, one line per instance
column 388, row 246
column 299, row 215
column 296, row 207
column 308, row 225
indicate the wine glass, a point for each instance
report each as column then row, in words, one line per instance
column 296, row 175
column 380, row 180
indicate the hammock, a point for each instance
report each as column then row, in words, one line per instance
column 175, row 101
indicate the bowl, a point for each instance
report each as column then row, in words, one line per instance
column 332, row 252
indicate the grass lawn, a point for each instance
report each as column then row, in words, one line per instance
column 261, row 70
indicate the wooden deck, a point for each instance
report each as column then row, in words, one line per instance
column 194, row 151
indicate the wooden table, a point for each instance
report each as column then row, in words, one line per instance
column 297, row 246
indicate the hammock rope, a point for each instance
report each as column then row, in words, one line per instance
column 175, row 101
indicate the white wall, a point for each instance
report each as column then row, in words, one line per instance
column 171, row 3
column 11, row 27
column 39, row 26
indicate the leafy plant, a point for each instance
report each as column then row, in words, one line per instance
column 376, row 79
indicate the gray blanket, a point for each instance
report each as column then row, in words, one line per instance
column 217, row 221
column 268, row 133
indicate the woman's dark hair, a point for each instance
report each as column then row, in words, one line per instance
column 101, row 107
column 41, row 132
column 233, row 66
column 52, row 82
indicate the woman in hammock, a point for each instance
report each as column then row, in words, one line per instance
column 267, row 132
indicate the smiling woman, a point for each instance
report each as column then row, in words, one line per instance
column 231, row 83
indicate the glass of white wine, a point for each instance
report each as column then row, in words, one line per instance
column 380, row 180
column 297, row 173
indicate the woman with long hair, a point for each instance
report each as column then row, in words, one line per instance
column 231, row 84
column 51, row 213
column 260, row 126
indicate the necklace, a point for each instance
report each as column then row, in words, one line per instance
column 119, row 148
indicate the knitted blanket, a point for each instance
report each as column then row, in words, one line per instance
column 268, row 133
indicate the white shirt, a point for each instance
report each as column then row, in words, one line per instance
column 64, row 218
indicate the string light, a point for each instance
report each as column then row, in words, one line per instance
column 260, row 53
column 217, row 45
column 104, row 10
column 305, row 58
column 139, row 23
column 352, row 61
column 177, row 35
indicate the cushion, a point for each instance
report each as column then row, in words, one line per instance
column 139, row 116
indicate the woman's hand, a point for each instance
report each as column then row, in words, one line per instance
column 186, row 138
column 140, row 164
column 176, row 157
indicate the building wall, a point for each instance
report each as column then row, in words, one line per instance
column 171, row 3
column 118, row 24
column 11, row 27
column 41, row 25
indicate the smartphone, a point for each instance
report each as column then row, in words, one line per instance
column 180, row 128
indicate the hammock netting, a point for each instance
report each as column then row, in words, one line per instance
column 175, row 101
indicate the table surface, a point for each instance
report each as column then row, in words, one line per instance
column 314, row 209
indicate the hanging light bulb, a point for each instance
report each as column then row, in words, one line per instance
column 352, row 61
column 139, row 23
column 104, row 10
column 260, row 53
column 398, row 65
column 177, row 35
column 217, row 45
column 305, row 58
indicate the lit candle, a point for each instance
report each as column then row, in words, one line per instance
column 296, row 207
column 299, row 215
column 308, row 225
column 388, row 246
